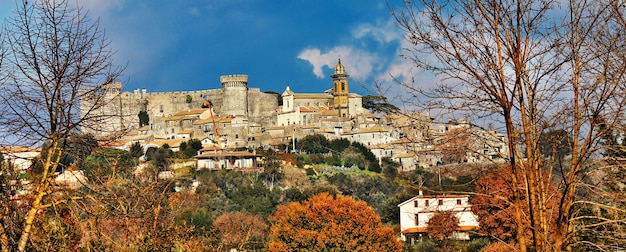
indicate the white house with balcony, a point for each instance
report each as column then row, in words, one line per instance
column 417, row 211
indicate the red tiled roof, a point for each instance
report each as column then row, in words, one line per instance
column 423, row 229
column 227, row 154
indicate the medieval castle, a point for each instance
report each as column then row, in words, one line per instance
column 239, row 116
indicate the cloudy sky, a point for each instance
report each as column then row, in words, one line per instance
column 171, row 45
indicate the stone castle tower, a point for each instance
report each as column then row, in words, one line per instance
column 340, row 89
column 235, row 94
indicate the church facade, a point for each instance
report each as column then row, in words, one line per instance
column 312, row 108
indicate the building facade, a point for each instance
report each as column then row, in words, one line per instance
column 417, row 211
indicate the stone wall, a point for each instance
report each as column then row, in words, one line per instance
column 119, row 110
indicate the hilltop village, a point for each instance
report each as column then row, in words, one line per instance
column 237, row 116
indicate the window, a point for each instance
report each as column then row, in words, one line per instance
column 415, row 203
column 236, row 136
column 458, row 201
column 440, row 202
column 426, row 203
column 161, row 108
column 417, row 220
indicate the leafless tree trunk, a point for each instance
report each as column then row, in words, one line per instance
column 54, row 57
column 537, row 67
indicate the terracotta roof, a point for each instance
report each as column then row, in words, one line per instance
column 185, row 132
column 423, row 229
column 16, row 149
column 311, row 96
column 367, row 130
column 405, row 155
column 140, row 137
column 203, row 121
column 227, row 154
column 307, row 109
column 170, row 142
column 324, row 130
column 329, row 112
column 190, row 112
column 213, row 147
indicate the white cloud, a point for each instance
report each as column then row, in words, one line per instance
column 382, row 32
column 359, row 63
column 99, row 7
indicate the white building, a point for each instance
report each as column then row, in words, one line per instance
column 417, row 211
column 21, row 158
column 70, row 178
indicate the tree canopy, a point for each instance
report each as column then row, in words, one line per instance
column 379, row 104
column 53, row 55
column 327, row 222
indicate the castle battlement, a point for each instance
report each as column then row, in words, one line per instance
column 184, row 92
column 112, row 87
column 240, row 78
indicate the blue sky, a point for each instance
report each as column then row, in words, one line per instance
column 171, row 45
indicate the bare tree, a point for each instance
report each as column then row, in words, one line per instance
column 54, row 56
column 533, row 67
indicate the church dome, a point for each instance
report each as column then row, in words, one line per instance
column 339, row 69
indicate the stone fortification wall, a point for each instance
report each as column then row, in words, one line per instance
column 262, row 107
column 165, row 104
column 126, row 106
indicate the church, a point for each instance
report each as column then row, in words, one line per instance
column 309, row 109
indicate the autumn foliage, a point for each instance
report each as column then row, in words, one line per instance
column 442, row 224
column 239, row 230
column 329, row 223
column 494, row 205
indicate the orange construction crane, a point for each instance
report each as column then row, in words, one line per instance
column 208, row 104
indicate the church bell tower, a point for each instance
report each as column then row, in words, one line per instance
column 340, row 89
